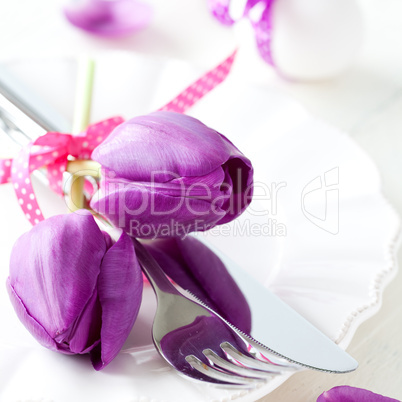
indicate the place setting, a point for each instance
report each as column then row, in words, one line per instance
column 178, row 234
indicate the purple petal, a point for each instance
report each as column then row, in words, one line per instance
column 239, row 177
column 196, row 268
column 162, row 145
column 351, row 394
column 147, row 214
column 36, row 329
column 207, row 187
column 108, row 18
column 120, row 292
column 54, row 270
column 85, row 333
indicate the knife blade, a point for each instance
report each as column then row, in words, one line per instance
column 24, row 116
column 26, row 109
column 278, row 328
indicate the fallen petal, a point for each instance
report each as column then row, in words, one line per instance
column 346, row 393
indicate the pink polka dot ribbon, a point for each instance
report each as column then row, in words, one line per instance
column 5, row 170
column 263, row 32
column 201, row 87
column 261, row 21
column 220, row 10
column 51, row 150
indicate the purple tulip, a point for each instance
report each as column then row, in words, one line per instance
column 109, row 18
column 352, row 394
column 74, row 288
column 194, row 267
column 167, row 174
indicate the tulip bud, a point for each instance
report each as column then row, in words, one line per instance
column 167, row 174
column 74, row 288
column 194, row 267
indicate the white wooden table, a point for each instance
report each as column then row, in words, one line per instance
column 365, row 101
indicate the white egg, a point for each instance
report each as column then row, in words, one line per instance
column 311, row 39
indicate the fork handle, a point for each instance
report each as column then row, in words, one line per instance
column 153, row 271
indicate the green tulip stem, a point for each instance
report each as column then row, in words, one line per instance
column 82, row 113
column 83, row 94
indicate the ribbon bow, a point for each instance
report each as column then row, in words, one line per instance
column 258, row 12
column 51, row 150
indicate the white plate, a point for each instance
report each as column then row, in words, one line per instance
column 331, row 268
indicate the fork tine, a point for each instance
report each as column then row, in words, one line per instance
column 184, row 330
column 220, row 376
column 252, row 362
column 225, row 364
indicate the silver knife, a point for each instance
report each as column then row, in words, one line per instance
column 280, row 329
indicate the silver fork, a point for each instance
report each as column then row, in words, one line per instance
column 199, row 343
